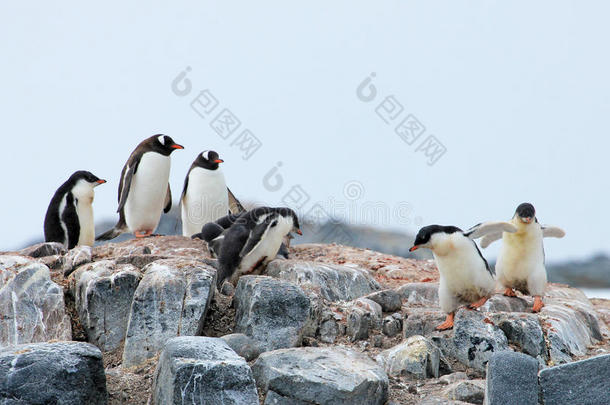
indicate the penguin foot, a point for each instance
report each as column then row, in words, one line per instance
column 448, row 324
column 479, row 303
column 538, row 304
column 509, row 292
column 143, row 234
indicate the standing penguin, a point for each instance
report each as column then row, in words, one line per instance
column 205, row 196
column 253, row 240
column 520, row 264
column 465, row 275
column 144, row 188
column 69, row 218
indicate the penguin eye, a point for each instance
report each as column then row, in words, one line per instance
column 161, row 139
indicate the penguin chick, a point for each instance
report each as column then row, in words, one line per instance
column 205, row 196
column 520, row 265
column 69, row 218
column 465, row 275
column 144, row 191
column 253, row 240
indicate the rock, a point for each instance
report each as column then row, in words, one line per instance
column 43, row 249
column 419, row 293
column 453, row 377
column 244, row 346
column 392, row 325
column 273, row 398
column 433, row 400
column 358, row 324
column 502, row 303
column 322, row 376
column 196, row 369
column 582, row 382
column 227, row 289
column 52, row 373
column 390, row 300
column 272, row 312
column 329, row 327
column 31, row 305
column 76, row 257
column 139, row 260
column 473, row 341
column 523, row 330
column 512, row 379
column 333, row 282
column 422, row 322
column 417, row 356
column 171, row 300
column 471, row 391
column 103, row 294
column 372, row 308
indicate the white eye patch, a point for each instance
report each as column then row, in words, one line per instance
column 161, row 140
column 205, row 155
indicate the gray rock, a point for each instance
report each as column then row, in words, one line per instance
column 76, row 257
column 43, row 249
column 103, row 294
column 391, row 325
column 471, row 391
column 139, row 260
column 453, row 377
column 523, row 330
column 582, row 382
column 502, row 303
column 321, row 376
column 333, row 282
column 195, row 369
column 329, row 327
column 52, row 373
column 419, row 293
column 358, row 324
column 272, row 312
column 473, row 341
column 171, row 300
column 244, row 346
column 390, row 300
column 433, row 400
column 422, row 322
column 31, row 305
column 371, row 307
column 273, row 398
column 417, row 356
column 512, row 379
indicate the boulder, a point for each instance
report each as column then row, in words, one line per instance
column 416, row 356
column 390, row 300
column 580, row 382
column 244, row 346
column 31, row 305
column 425, row 294
column 74, row 258
column 321, row 376
column 330, row 328
column 196, row 370
column 502, row 303
column 43, row 249
column 523, row 330
column 471, row 391
column 392, row 324
column 333, row 282
column 272, row 312
column 171, row 300
column 422, row 321
column 512, row 379
column 103, row 294
column 52, row 373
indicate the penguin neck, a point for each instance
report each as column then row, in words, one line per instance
column 522, row 227
column 83, row 192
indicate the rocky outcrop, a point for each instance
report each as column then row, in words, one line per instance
column 198, row 370
column 416, row 356
column 52, row 373
column 512, row 379
column 320, row 376
column 31, row 305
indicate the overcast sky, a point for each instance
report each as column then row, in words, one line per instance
column 517, row 93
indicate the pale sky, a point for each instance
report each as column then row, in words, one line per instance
column 517, row 92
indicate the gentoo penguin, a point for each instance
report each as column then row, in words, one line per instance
column 465, row 275
column 520, row 264
column 253, row 240
column 69, row 218
column 144, row 188
column 205, row 196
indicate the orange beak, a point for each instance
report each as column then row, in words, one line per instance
column 219, row 161
column 100, row 181
column 176, row 146
column 299, row 232
column 413, row 248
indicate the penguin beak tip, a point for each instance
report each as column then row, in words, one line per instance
column 219, row 161
column 299, row 232
column 414, row 248
column 101, row 181
column 176, row 146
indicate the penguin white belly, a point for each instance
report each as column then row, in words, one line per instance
column 146, row 197
column 521, row 261
column 205, row 201
column 84, row 195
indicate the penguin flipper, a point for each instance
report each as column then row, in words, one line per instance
column 552, row 232
column 229, row 258
column 168, row 200
column 124, row 186
column 256, row 237
column 490, row 238
column 486, row 228
column 235, row 206
column 69, row 217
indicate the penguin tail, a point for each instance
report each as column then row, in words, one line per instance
column 111, row 234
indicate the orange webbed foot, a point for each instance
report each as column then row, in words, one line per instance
column 479, row 303
column 509, row 292
column 448, row 324
column 538, row 304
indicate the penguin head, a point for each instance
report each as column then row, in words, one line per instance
column 526, row 213
column 85, row 177
column 162, row 144
column 208, row 159
column 429, row 236
column 290, row 214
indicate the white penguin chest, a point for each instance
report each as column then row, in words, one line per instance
column 268, row 246
column 146, row 197
column 84, row 195
column 206, row 199
column 521, row 253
